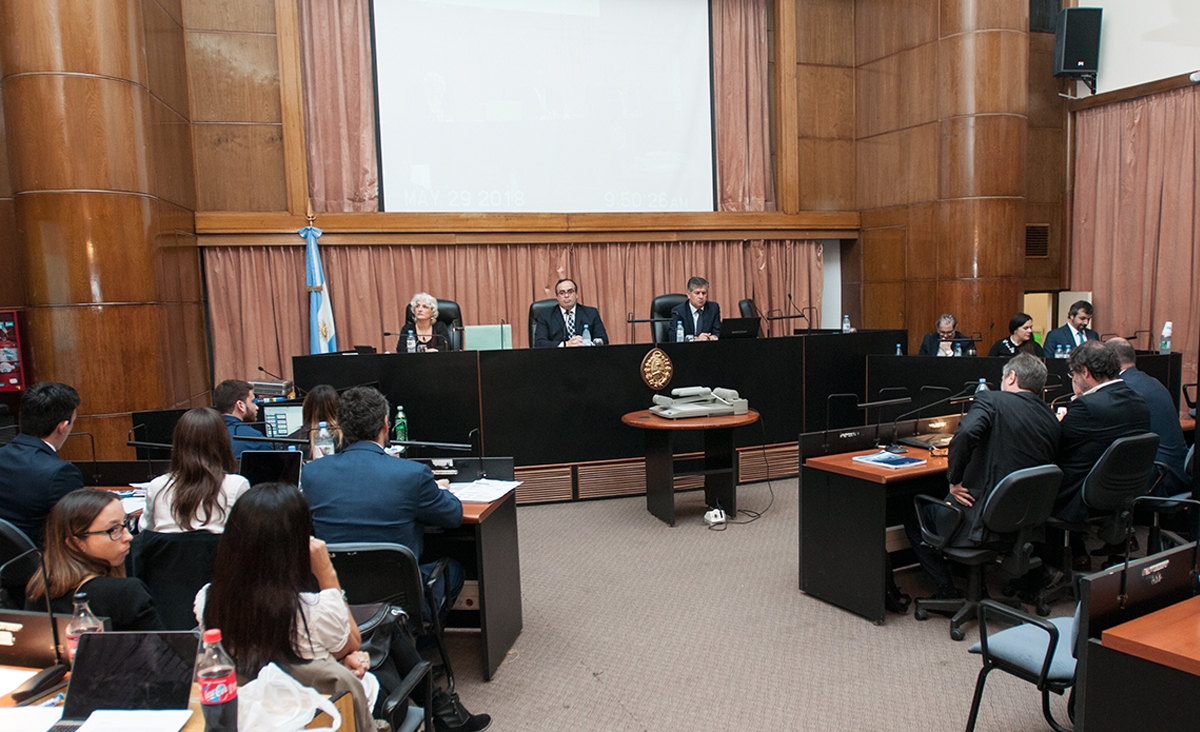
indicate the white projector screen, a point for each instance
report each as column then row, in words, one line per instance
column 544, row 105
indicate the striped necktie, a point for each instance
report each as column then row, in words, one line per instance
column 571, row 323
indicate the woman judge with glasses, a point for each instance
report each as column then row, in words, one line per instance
column 87, row 539
column 431, row 333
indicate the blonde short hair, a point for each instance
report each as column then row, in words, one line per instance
column 427, row 299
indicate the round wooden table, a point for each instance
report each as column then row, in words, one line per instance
column 720, row 459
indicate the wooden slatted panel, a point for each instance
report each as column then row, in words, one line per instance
column 782, row 459
column 543, row 484
column 612, row 478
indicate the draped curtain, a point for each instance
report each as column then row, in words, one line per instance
column 1135, row 240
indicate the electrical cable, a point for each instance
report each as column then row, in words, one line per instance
column 754, row 515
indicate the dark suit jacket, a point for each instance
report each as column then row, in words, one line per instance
column 551, row 330
column 710, row 320
column 440, row 339
column 1062, row 336
column 1164, row 421
column 929, row 344
column 32, row 479
column 1092, row 423
column 238, row 427
column 1002, row 432
column 364, row 494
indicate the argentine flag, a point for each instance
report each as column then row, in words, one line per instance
column 322, row 336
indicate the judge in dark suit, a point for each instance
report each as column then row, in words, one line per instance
column 941, row 341
column 1104, row 409
column 563, row 326
column 1164, row 420
column 32, row 476
column 1004, row 431
column 1074, row 332
column 701, row 319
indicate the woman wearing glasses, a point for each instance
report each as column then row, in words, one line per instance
column 87, row 539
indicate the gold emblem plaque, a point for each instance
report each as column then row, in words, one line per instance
column 657, row 369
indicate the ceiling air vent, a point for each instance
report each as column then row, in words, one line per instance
column 1037, row 240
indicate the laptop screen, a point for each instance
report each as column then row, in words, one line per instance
column 131, row 671
column 282, row 419
column 269, row 466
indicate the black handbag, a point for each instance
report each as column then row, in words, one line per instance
column 378, row 624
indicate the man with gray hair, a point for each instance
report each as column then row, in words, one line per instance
column 941, row 341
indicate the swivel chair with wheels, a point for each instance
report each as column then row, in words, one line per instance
column 536, row 309
column 660, row 308
column 1019, row 504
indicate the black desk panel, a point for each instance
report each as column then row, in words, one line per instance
column 837, row 363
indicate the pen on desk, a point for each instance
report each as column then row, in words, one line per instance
column 56, row 701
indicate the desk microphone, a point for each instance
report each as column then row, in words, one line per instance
column 277, row 377
column 95, row 464
column 895, row 447
column 798, row 310
column 47, row 677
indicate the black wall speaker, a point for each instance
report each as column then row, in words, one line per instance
column 1077, row 41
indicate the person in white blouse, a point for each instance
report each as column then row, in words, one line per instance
column 202, row 485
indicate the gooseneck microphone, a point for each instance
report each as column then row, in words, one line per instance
column 896, row 447
column 95, row 464
column 273, row 376
column 48, row 677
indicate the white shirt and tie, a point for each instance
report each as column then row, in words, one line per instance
column 569, row 318
column 1080, row 337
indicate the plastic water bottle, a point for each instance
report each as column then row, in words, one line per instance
column 400, row 428
column 1059, row 352
column 958, row 349
column 898, row 351
column 411, row 344
column 845, row 323
column 982, row 386
column 587, row 335
column 679, row 331
column 323, row 445
column 1164, row 345
column 83, row 620
column 217, row 678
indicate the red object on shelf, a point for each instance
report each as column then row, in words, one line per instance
column 13, row 372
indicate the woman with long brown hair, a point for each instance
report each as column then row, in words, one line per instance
column 202, row 484
column 320, row 405
column 87, row 539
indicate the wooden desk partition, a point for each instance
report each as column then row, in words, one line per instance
column 1170, row 637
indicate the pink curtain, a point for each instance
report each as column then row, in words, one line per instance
column 1135, row 240
column 260, row 317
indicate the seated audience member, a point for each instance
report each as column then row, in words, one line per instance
column 1104, row 409
column 941, row 342
column 563, row 326
column 1164, row 419
column 701, row 318
column 431, row 333
column 1019, row 340
column 32, row 476
column 87, row 540
column 260, row 598
column 1002, row 432
column 1074, row 332
column 202, row 485
column 320, row 405
column 234, row 399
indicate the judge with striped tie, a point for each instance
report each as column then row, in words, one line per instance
column 563, row 326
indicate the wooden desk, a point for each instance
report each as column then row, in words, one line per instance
column 845, row 509
column 720, row 459
column 344, row 703
column 1170, row 637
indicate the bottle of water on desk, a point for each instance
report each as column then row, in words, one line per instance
column 982, row 386
column 679, row 331
column 899, row 352
column 323, row 444
column 218, row 685
column 587, row 335
column 1164, row 344
column 1059, row 352
column 845, row 323
column 958, row 349
column 400, row 429
column 83, row 620
column 411, row 344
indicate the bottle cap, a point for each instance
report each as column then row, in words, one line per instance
column 1167, row 329
column 212, row 635
column 322, row 425
column 81, row 597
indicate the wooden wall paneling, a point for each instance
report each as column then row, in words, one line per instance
column 291, row 90
column 768, row 462
column 983, row 72
column 823, row 30
column 248, row 16
column 173, row 174
column 6, row 190
column 174, row 8
column 982, row 155
column 883, row 305
column 166, row 74
column 1047, row 164
column 186, row 370
column 74, row 30
column 898, row 167
column 826, row 101
column 240, row 167
column 884, row 255
column 176, row 255
column 983, row 305
column 787, row 137
column 88, row 132
column 12, row 289
column 1045, row 273
column 108, row 431
column 542, row 484
column 921, row 310
column 957, row 16
column 233, row 77
column 884, row 27
column 611, row 478
column 981, row 237
column 827, row 174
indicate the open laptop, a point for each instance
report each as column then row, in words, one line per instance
column 270, row 466
column 129, row 671
column 739, row 328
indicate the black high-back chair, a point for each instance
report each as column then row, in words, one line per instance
column 174, row 568
column 372, row 572
column 14, row 577
column 537, row 309
column 1018, row 505
column 748, row 309
column 448, row 313
column 661, row 307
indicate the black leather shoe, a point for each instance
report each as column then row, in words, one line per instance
column 449, row 715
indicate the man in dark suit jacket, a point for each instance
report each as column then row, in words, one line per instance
column 1104, row 409
column 1075, row 331
column 234, row 399
column 1004, row 431
column 946, row 331
column 563, row 326
column 32, row 476
column 1164, row 420
column 701, row 319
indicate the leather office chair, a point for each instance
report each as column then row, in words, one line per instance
column 661, row 307
column 449, row 314
column 1041, row 652
column 1020, row 503
column 748, row 309
column 174, row 568
column 1171, row 506
column 14, row 576
column 536, row 309
column 1120, row 475
column 373, row 572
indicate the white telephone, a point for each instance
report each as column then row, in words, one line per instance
column 699, row 401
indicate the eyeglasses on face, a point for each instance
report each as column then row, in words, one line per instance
column 115, row 533
column 567, row 292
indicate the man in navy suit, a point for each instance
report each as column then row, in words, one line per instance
column 563, row 326
column 942, row 341
column 32, row 476
column 701, row 319
column 234, row 399
column 1074, row 333
column 1164, row 419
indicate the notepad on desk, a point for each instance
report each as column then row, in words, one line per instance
column 483, row 490
column 892, row 461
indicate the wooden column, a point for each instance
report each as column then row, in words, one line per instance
column 100, row 162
